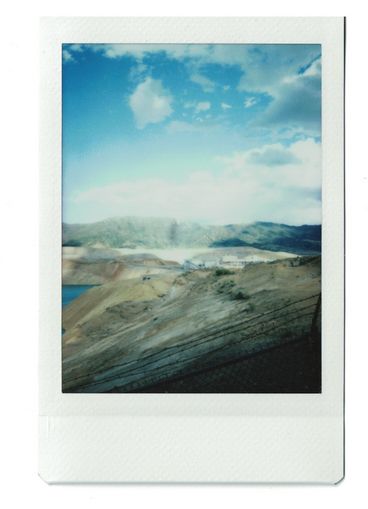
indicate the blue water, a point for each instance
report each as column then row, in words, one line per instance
column 71, row 292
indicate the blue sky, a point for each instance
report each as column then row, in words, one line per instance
column 210, row 133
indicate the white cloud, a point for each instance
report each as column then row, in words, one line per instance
column 78, row 48
column 150, row 103
column 282, row 60
column 314, row 69
column 138, row 72
column 67, row 56
column 139, row 51
column 206, row 84
column 249, row 188
column 289, row 73
column 70, row 52
column 298, row 166
column 226, row 106
column 251, row 101
column 202, row 106
column 297, row 102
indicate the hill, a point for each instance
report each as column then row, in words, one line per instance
column 198, row 332
column 97, row 266
column 136, row 232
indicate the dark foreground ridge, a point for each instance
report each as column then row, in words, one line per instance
column 294, row 367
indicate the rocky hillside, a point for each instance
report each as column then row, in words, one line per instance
column 161, row 334
column 164, row 233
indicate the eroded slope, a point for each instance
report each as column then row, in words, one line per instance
column 129, row 335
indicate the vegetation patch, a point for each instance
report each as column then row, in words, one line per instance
column 240, row 295
column 225, row 286
column 221, row 271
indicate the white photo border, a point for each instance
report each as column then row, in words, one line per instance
column 193, row 437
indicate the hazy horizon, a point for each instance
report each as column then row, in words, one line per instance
column 167, row 218
column 210, row 134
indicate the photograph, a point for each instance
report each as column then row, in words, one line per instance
column 191, row 218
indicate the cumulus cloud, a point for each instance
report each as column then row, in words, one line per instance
column 266, row 66
column 290, row 74
column 226, row 106
column 296, row 166
column 273, row 155
column 258, row 184
column 150, row 103
column 281, row 59
column 297, row 102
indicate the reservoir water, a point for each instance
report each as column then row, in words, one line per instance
column 71, row 292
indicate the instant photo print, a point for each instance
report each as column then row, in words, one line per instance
column 192, row 250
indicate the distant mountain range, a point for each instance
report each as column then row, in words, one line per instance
column 137, row 232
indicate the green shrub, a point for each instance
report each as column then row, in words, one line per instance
column 221, row 271
column 225, row 286
column 240, row 295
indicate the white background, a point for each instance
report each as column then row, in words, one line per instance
column 19, row 261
